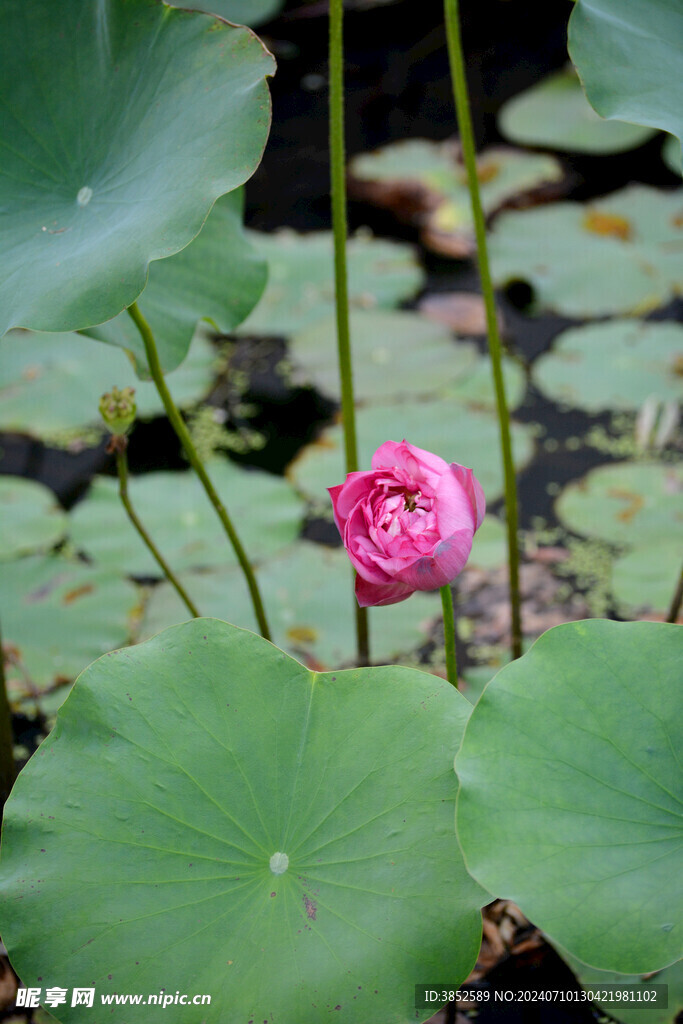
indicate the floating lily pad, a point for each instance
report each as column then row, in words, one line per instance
column 646, row 577
column 425, row 183
column 613, row 365
column 555, row 114
column 568, row 779
column 308, row 593
column 30, row 516
column 672, row 977
column 445, row 426
column 630, row 503
column 489, row 548
column 300, row 286
column 206, row 804
column 52, row 383
column 60, row 615
column 630, row 61
column 106, row 169
column 395, row 354
column 218, row 277
column 241, row 12
column 476, row 389
column 400, row 354
column 619, row 254
column 173, row 508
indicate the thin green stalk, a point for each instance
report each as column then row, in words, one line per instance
column 675, row 607
column 183, row 434
column 338, row 190
column 122, row 466
column 449, row 634
column 462, row 106
column 8, row 769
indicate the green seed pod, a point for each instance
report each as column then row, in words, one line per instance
column 118, row 409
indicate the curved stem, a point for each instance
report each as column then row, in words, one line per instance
column 122, row 466
column 183, row 434
column 338, row 189
column 676, row 600
column 8, row 769
column 449, row 634
column 462, row 106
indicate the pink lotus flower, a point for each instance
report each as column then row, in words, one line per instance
column 408, row 523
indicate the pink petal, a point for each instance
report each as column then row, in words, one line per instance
column 385, row 457
column 454, row 508
column 474, row 490
column 416, row 461
column 431, row 572
column 360, row 548
column 370, row 595
column 345, row 496
column 334, row 493
column 393, row 565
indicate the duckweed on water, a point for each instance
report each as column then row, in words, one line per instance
column 590, row 563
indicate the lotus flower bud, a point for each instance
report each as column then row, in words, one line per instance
column 408, row 523
column 118, row 409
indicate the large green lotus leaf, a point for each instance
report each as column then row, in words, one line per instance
column 619, row 254
column 210, row 811
column 425, row 181
column 444, row 426
column 398, row 354
column 629, row 503
column 60, row 614
column 556, row 114
column 172, row 506
column 613, row 365
column 646, row 577
column 30, row 516
column 219, row 277
column 241, row 12
column 53, row 383
column 671, row 154
column 629, row 59
column 568, row 798
column 308, row 593
column 300, row 286
column 672, row 977
column 124, row 122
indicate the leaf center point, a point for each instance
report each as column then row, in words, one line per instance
column 279, row 863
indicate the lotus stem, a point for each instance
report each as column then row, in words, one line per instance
column 462, row 106
column 449, row 634
column 338, row 192
column 8, row 768
column 122, row 466
column 183, row 434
